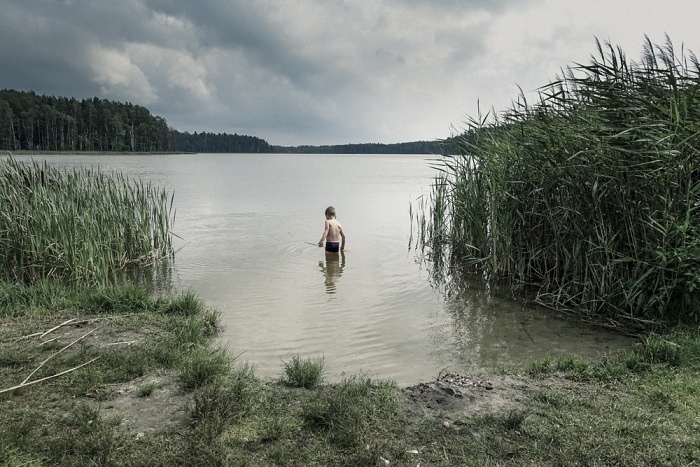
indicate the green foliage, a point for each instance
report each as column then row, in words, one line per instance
column 657, row 350
column 304, row 373
column 414, row 147
column 187, row 304
column 350, row 410
column 218, row 143
column 589, row 197
column 541, row 366
column 81, row 226
column 46, row 123
column 18, row 299
column 127, row 298
column 202, row 366
column 32, row 122
column 217, row 405
column 84, row 438
column 514, row 419
column 147, row 389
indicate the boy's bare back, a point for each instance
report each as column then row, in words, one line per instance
column 333, row 233
column 335, row 230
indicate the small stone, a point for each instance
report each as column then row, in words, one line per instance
column 446, row 424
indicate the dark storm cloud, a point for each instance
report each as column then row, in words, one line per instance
column 315, row 71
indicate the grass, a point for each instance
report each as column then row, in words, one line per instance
column 641, row 408
column 303, row 373
column 585, row 198
column 147, row 389
column 611, row 415
column 80, row 226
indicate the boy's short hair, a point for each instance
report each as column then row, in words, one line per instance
column 330, row 211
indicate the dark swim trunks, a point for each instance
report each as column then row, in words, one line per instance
column 332, row 247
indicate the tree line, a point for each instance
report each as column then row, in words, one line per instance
column 33, row 122
column 415, row 147
column 47, row 123
column 219, row 142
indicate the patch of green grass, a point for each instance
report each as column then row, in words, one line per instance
column 348, row 410
column 187, row 304
column 303, row 373
column 219, row 404
column 656, row 349
column 541, row 366
column 202, row 366
column 147, row 389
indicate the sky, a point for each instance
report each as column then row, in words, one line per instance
column 317, row 72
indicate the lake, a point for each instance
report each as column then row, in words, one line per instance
column 247, row 227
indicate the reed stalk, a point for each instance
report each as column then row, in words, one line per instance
column 589, row 197
column 78, row 225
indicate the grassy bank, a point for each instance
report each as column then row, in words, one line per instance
column 136, row 380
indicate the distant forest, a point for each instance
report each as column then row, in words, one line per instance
column 46, row 123
column 42, row 123
column 416, row 147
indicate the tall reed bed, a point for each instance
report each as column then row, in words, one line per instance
column 590, row 196
column 78, row 225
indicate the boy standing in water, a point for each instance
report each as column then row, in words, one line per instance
column 333, row 233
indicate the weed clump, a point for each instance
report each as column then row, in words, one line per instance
column 303, row 373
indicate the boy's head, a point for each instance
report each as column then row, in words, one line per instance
column 330, row 212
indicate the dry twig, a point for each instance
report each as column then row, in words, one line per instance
column 57, row 327
column 47, row 377
column 58, row 352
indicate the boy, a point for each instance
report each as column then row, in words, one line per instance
column 332, row 233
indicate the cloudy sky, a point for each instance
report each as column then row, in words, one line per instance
column 319, row 71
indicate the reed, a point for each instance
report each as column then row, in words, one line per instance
column 588, row 197
column 79, row 225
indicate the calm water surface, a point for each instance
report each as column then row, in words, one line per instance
column 248, row 225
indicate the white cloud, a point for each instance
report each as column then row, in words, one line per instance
column 119, row 77
column 170, row 68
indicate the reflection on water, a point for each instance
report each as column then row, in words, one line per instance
column 157, row 276
column 332, row 270
column 490, row 326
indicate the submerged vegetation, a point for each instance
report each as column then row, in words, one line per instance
column 589, row 198
column 81, row 226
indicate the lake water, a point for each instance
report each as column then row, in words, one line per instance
column 249, row 224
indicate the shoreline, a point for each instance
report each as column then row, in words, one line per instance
column 155, row 388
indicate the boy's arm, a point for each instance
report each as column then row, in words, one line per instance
column 342, row 236
column 326, row 227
